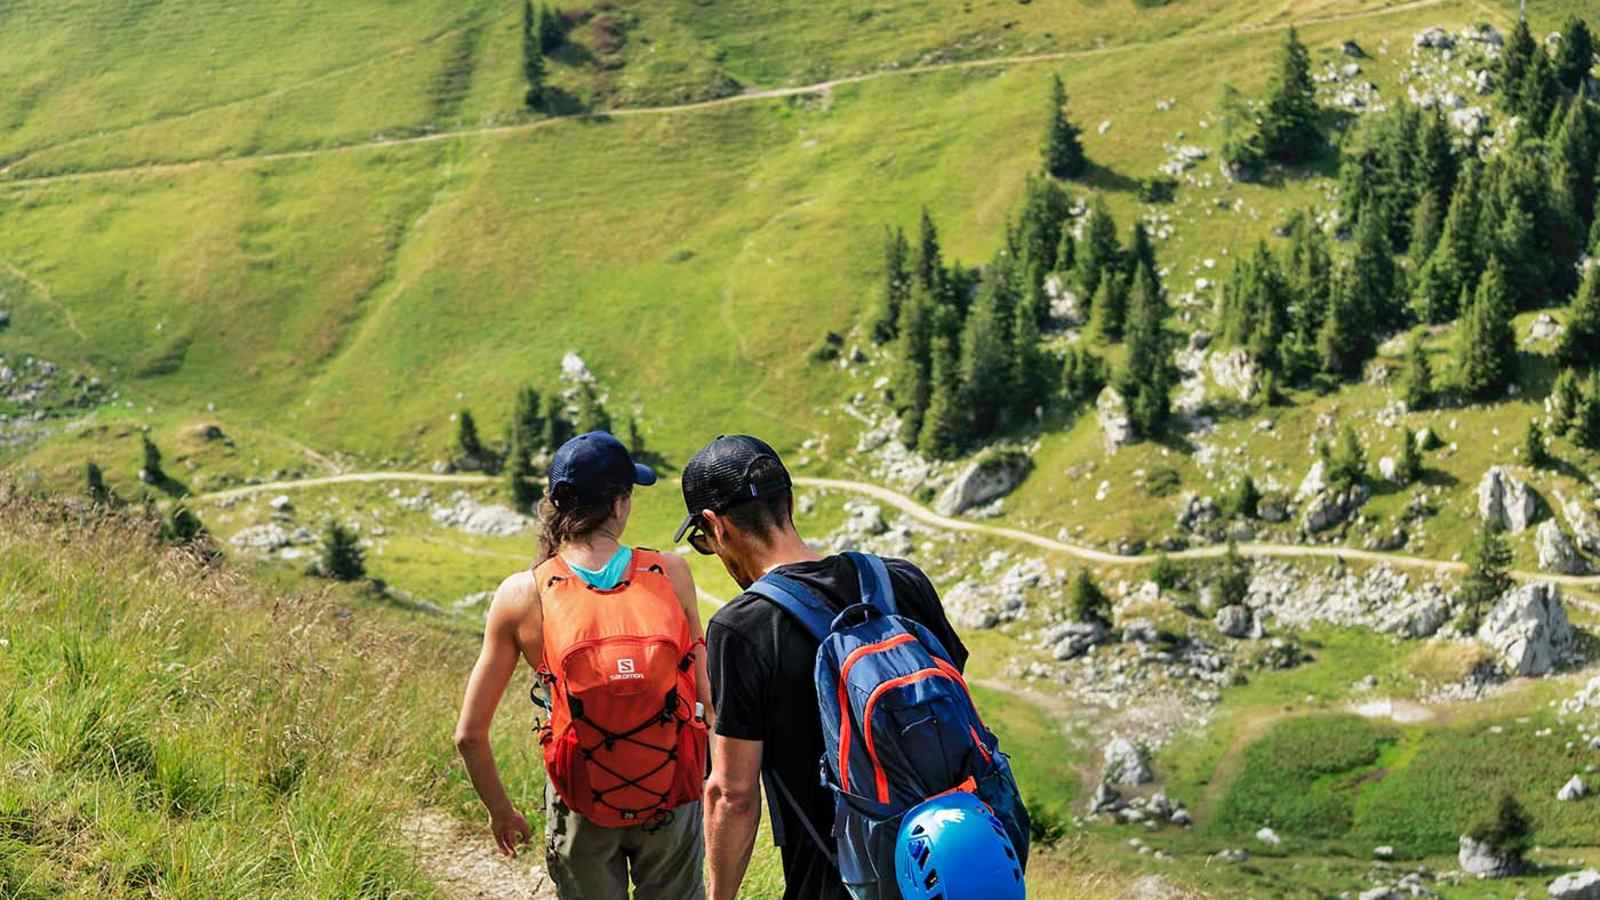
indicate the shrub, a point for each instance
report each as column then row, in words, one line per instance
column 1087, row 602
column 1157, row 190
column 1165, row 573
column 342, row 558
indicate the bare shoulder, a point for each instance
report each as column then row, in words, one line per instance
column 676, row 566
column 516, row 599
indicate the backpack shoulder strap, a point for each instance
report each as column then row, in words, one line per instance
column 799, row 601
column 875, row 587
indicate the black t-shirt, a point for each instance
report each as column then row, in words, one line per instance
column 762, row 664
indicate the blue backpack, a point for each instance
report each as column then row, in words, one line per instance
column 898, row 727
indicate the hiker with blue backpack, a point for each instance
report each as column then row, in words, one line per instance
column 839, row 692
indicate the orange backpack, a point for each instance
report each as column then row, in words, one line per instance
column 624, row 745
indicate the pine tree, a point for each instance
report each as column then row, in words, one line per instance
column 1083, row 375
column 1099, row 253
column 1409, row 469
column 1109, row 310
column 342, row 557
column 1147, row 380
column 1515, row 60
column 1031, row 373
column 527, row 424
column 1533, row 446
column 1344, row 343
column 98, row 492
column 151, row 473
column 1538, row 95
column 1141, row 253
column 896, row 286
column 532, row 57
column 1308, row 271
column 1486, row 354
column 592, row 415
column 520, row 476
column 1375, row 277
column 1243, row 498
column 635, row 437
column 1577, row 146
column 557, row 429
column 1242, row 148
column 1488, row 574
column 1063, row 150
column 1289, row 123
column 1509, row 832
column 1575, row 55
column 1087, row 602
column 927, row 264
column 1427, row 224
column 913, row 376
column 1462, row 224
column 1566, row 401
column 1580, row 343
column 942, row 426
column 1439, row 284
column 1348, row 467
column 551, row 30
column 1040, row 227
column 1586, row 421
column 467, row 436
column 1437, row 165
column 1419, row 376
column 985, row 364
column 182, row 526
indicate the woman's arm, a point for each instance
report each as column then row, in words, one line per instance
column 689, row 597
column 497, row 663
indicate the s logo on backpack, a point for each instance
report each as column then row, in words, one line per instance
column 623, row 746
column 898, row 724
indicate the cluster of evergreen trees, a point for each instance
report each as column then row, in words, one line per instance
column 540, row 427
column 1284, row 126
column 1438, row 236
column 969, row 358
column 543, row 30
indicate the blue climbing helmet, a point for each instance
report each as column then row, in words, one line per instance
column 951, row 847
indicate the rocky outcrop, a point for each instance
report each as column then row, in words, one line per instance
column 1116, row 426
column 1528, row 629
column 1583, row 885
column 473, row 517
column 1315, row 482
column 1545, row 328
column 987, row 478
column 1194, row 511
column 1505, row 501
column 1329, row 509
column 262, row 538
column 1126, row 763
column 1065, row 307
column 1478, row 858
column 1234, row 371
column 1581, row 518
column 1235, row 621
column 1380, row 597
column 1556, row 552
column 1071, row 640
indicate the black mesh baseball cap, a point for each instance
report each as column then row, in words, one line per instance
column 718, row 477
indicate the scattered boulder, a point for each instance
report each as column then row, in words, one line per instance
column 1505, row 501
column 281, row 503
column 1105, row 797
column 1574, row 789
column 1126, row 763
column 1273, row 508
column 1381, row 893
column 1556, row 552
column 262, row 538
column 575, row 370
column 1471, row 121
column 1434, row 38
column 475, row 518
column 1065, row 308
column 987, row 478
column 1315, row 482
column 1235, row 621
column 1583, row 885
column 1528, row 629
column 1388, row 469
column 1115, row 424
column 1331, row 508
column 1384, row 852
column 1545, row 328
column 1477, row 858
column 1581, row 519
column 1073, row 639
column 1235, row 371
column 1269, row 837
column 1194, row 511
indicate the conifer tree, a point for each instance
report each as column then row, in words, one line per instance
column 1575, row 54
column 527, row 423
column 1409, row 468
column 1032, row 382
column 1099, row 252
column 1087, row 602
column 1515, row 60
column 1040, row 227
column 1141, row 253
column 467, row 436
column 1538, row 94
column 1308, row 271
column 1243, row 498
column 1063, row 150
column 551, row 31
column 1439, row 284
column 98, row 492
column 1437, row 165
column 1524, row 265
column 1577, row 146
column 1233, row 577
column 342, row 557
column 927, row 263
column 1345, row 343
column 557, row 429
column 1580, row 343
column 1486, row 354
column 1508, row 833
column 592, row 415
column 985, row 364
column 1375, row 277
column 1419, row 376
column 520, row 476
column 182, row 526
column 635, row 438
column 1488, row 574
column 913, row 372
column 1462, row 226
column 1147, row 379
column 1586, row 421
column 942, row 425
column 1289, row 123
column 1566, row 400
column 1347, row 467
column 151, row 473
column 896, row 286
column 1533, row 446
column 1109, row 310
column 1083, row 375
column 532, row 57
column 1427, row 224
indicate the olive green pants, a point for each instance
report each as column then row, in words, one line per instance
column 588, row 862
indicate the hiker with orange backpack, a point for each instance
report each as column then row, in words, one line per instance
column 839, row 689
column 614, row 636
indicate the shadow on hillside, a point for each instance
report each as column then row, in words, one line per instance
column 1438, row 478
column 170, row 486
column 558, row 102
column 1106, row 178
column 572, row 54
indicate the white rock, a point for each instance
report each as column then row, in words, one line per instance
column 1556, row 552
column 1506, row 501
column 1574, row 789
column 280, row 503
column 1480, row 859
column 1268, row 836
column 1528, row 629
column 475, row 518
column 1315, row 482
column 1583, row 885
column 1384, row 852
column 1116, row 426
column 1126, row 763
column 988, row 478
column 574, row 369
column 262, row 538
column 1235, row 621
column 1580, row 518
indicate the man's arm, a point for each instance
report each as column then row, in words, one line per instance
column 683, row 585
column 732, row 813
column 497, row 662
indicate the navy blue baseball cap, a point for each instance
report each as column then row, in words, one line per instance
column 590, row 467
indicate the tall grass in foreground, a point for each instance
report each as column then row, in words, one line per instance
column 170, row 729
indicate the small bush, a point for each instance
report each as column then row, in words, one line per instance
column 342, row 559
column 1161, row 482
column 1165, row 573
column 1157, row 190
column 828, row 349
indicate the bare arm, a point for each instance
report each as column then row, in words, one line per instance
column 497, row 663
column 732, row 812
column 689, row 597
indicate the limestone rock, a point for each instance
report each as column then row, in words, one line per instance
column 1315, row 482
column 1331, row 508
column 1574, row 789
column 1528, row 629
column 1065, row 307
column 1583, row 885
column 1273, row 508
column 1388, row 468
column 1545, row 328
column 1506, row 501
column 1269, row 837
column 1556, row 552
column 1234, row 371
column 1580, row 518
column 1073, row 639
column 1384, row 852
column 473, row 517
column 1434, row 38
column 1194, row 510
column 262, row 538
column 1126, row 763
column 990, row 477
column 1235, row 621
column 1480, row 859
column 1115, row 424
column 281, row 503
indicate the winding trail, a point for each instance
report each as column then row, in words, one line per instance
column 928, row 517
column 166, row 168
